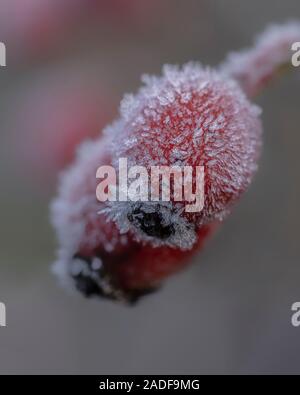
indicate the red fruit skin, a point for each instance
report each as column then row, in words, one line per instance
column 148, row 266
column 136, row 268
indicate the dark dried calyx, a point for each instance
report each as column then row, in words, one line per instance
column 95, row 282
column 87, row 286
column 151, row 223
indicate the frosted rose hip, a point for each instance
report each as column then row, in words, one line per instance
column 191, row 116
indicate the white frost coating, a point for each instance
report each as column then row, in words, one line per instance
column 76, row 207
column 184, row 236
column 251, row 67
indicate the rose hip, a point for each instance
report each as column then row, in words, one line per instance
column 191, row 116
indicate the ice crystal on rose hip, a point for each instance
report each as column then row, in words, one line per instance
column 254, row 67
column 189, row 116
column 94, row 257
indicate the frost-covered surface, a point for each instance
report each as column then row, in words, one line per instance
column 191, row 116
column 75, row 211
column 254, row 67
column 184, row 236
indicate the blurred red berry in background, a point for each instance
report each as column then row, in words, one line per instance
column 31, row 26
column 34, row 27
column 53, row 116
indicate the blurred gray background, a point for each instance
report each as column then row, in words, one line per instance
column 230, row 312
